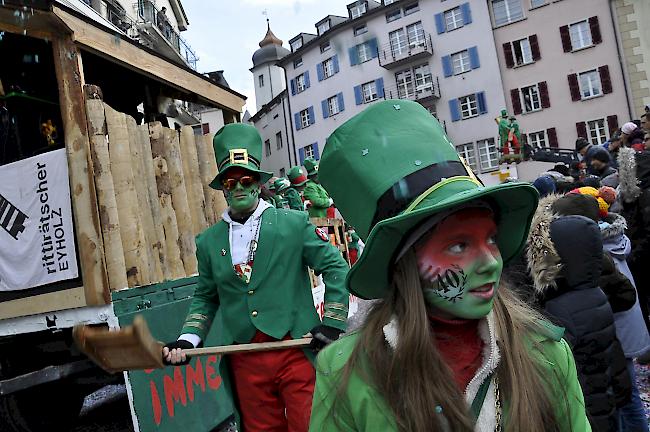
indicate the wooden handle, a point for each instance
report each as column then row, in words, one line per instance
column 252, row 347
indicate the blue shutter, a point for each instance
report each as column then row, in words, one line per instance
column 293, row 87
column 312, row 117
column 440, row 23
column 316, row 154
column 454, row 107
column 326, row 111
column 339, row 98
column 335, row 63
column 296, row 118
column 372, row 43
column 447, row 67
column 319, row 72
column 379, row 83
column 307, row 79
column 467, row 13
column 473, row 58
column 301, row 153
column 480, row 100
column 358, row 95
column 354, row 56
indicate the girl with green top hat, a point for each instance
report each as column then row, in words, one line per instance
column 448, row 346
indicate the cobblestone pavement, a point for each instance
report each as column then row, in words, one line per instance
column 643, row 382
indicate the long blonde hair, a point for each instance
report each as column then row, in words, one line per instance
column 414, row 378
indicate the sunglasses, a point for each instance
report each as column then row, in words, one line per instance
column 231, row 183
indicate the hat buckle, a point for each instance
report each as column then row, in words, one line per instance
column 239, row 156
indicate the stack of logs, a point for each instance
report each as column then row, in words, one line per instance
column 152, row 192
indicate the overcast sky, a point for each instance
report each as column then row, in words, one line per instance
column 225, row 33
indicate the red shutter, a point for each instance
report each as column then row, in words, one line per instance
column 596, row 37
column 507, row 53
column 605, row 79
column 534, row 47
column 612, row 123
column 552, row 137
column 566, row 38
column 581, row 129
column 574, row 87
column 543, row 94
column 516, row 101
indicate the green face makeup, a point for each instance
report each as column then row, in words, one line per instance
column 460, row 265
column 242, row 199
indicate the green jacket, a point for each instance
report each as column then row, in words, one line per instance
column 293, row 197
column 361, row 409
column 280, row 202
column 320, row 200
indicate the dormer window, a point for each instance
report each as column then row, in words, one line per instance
column 323, row 27
column 358, row 10
column 296, row 45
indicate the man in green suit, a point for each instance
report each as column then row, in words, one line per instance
column 238, row 259
column 294, row 193
column 316, row 198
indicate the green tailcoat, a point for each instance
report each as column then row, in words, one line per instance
column 320, row 200
column 293, row 197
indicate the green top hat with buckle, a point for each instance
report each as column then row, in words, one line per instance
column 238, row 145
column 296, row 176
column 311, row 166
column 401, row 169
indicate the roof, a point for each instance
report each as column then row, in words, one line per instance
column 268, row 106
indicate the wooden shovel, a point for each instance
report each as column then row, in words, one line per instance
column 133, row 347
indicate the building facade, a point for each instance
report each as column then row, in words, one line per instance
column 560, row 69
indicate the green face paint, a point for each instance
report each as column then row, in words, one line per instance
column 460, row 265
column 243, row 199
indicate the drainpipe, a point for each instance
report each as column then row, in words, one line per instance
column 621, row 61
column 293, row 140
column 286, row 130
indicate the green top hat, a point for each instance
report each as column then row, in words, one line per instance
column 238, row 145
column 296, row 176
column 401, row 169
column 281, row 184
column 311, row 166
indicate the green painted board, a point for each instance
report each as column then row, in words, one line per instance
column 187, row 398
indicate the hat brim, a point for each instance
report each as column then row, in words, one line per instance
column 216, row 182
column 369, row 277
column 299, row 184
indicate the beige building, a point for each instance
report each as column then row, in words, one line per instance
column 632, row 18
column 560, row 69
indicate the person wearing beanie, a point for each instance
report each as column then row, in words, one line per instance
column 545, row 185
column 587, row 151
column 600, row 164
column 632, row 136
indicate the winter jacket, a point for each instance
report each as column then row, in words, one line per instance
column 630, row 327
column 618, row 289
column 362, row 409
column 565, row 259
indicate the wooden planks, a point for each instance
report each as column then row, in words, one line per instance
column 195, row 195
column 215, row 203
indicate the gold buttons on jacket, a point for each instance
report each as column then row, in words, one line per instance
column 250, row 292
column 254, row 313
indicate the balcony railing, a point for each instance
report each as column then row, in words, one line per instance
column 392, row 55
column 429, row 90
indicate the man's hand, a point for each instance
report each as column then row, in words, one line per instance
column 322, row 336
column 173, row 354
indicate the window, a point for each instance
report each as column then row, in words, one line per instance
column 409, row 9
column 267, row 147
column 325, row 46
column 323, row 27
column 580, row 35
column 358, row 10
column 530, row 98
column 394, row 15
column 304, row 118
column 328, row 68
column 537, row 3
column 597, row 131
column 364, row 52
column 468, row 106
column 283, row 172
column 415, row 33
column 468, row 152
column 297, row 63
column 398, row 42
column 537, row 140
column 506, row 11
column 260, row 80
column 453, row 19
column 309, row 151
column 405, row 88
column 589, row 84
column 423, row 78
column 333, row 105
column 360, row 30
column 460, row 62
column 369, row 91
column 488, row 154
column 278, row 140
column 301, row 83
column 522, row 52
column 295, row 45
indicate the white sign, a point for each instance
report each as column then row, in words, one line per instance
column 36, row 237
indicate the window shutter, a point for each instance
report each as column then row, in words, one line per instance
column 596, row 37
column 440, row 23
column 205, row 128
column 293, row 87
column 473, row 58
column 467, row 13
column 605, row 79
column 552, row 137
column 447, row 68
column 312, row 117
column 339, row 99
column 612, row 123
column 454, row 107
column 581, row 129
column 516, row 101
column 372, row 43
column 307, row 84
column 335, row 63
column 481, row 102
column 566, row 38
column 543, row 94
column 534, row 47
column 574, row 87
column 320, row 72
column 358, row 95
column 316, row 154
column 354, row 56
column 325, row 107
column 507, row 53
column 296, row 118
column 379, row 83
column 301, row 153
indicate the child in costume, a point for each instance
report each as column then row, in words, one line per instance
column 448, row 347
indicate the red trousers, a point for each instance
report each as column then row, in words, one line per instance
column 274, row 388
column 354, row 256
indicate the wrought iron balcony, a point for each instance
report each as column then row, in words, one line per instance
column 394, row 55
column 427, row 91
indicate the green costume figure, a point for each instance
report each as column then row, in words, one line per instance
column 281, row 185
column 435, row 353
column 319, row 200
column 504, row 129
column 293, row 194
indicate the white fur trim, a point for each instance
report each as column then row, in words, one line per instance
column 390, row 332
